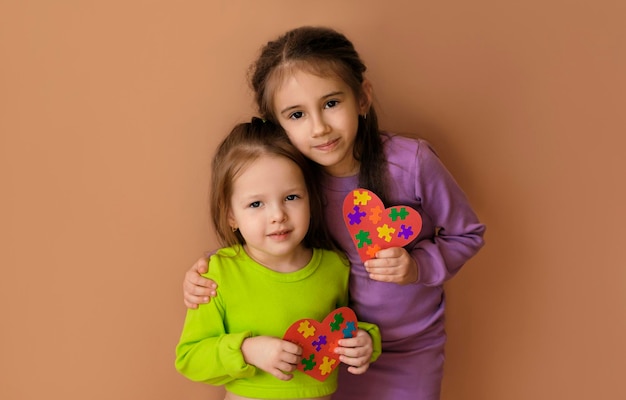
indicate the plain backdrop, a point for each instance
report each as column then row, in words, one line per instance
column 110, row 112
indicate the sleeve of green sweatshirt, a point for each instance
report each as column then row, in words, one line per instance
column 374, row 333
column 206, row 353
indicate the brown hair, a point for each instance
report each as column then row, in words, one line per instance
column 322, row 51
column 246, row 143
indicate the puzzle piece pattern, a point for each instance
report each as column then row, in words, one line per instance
column 306, row 329
column 374, row 227
column 318, row 340
column 327, row 365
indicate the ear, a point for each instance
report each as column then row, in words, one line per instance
column 365, row 101
column 231, row 221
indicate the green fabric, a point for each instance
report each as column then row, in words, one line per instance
column 374, row 332
column 252, row 301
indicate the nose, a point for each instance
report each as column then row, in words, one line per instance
column 319, row 125
column 278, row 214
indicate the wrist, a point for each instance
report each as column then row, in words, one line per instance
column 246, row 350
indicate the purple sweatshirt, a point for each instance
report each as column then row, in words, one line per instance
column 410, row 317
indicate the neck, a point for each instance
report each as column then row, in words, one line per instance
column 292, row 262
column 342, row 171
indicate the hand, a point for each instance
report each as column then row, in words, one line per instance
column 393, row 265
column 275, row 356
column 356, row 352
column 196, row 288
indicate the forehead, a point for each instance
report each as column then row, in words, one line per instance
column 268, row 173
column 302, row 85
column 321, row 69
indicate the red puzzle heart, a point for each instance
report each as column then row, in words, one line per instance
column 374, row 227
column 319, row 339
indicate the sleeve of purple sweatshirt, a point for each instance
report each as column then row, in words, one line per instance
column 459, row 233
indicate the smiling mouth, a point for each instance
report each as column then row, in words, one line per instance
column 328, row 145
column 279, row 233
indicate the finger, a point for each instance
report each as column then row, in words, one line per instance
column 198, row 285
column 377, row 264
column 201, row 266
column 358, row 370
column 392, row 252
column 384, row 278
column 281, row 375
column 199, row 290
column 195, row 299
column 193, row 278
column 382, row 271
column 286, row 367
column 197, row 294
column 356, row 356
column 192, row 306
column 354, row 353
column 355, row 341
column 292, row 348
column 290, row 358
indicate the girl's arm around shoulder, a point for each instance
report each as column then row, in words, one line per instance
column 196, row 288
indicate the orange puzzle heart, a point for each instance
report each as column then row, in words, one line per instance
column 319, row 339
column 373, row 227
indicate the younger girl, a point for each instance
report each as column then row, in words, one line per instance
column 278, row 267
column 311, row 81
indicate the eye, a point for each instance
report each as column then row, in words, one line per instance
column 255, row 204
column 296, row 115
column 292, row 197
column 331, row 103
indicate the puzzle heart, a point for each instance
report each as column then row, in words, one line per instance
column 319, row 339
column 374, row 227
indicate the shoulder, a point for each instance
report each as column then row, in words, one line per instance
column 413, row 166
column 228, row 252
column 404, row 147
column 331, row 254
column 407, row 154
column 332, row 258
column 226, row 259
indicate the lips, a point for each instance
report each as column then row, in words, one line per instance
column 279, row 234
column 331, row 144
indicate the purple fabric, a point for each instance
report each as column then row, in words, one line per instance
column 410, row 317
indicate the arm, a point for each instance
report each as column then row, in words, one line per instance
column 206, row 353
column 458, row 235
column 196, row 288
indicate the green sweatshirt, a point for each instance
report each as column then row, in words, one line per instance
column 253, row 300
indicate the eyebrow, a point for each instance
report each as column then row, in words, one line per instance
column 331, row 94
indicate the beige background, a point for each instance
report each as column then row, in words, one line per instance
column 109, row 114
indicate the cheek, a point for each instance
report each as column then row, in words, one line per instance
column 306, row 217
column 299, row 141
